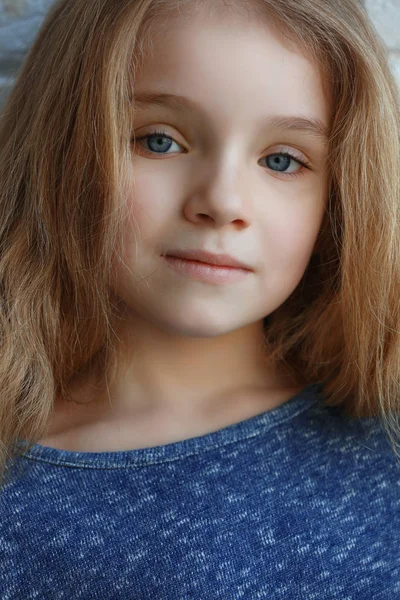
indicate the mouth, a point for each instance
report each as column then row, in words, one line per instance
column 202, row 256
column 201, row 271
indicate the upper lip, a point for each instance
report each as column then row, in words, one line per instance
column 222, row 260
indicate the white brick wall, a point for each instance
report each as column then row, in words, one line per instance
column 385, row 15
column 20, row 20
column 19, row 23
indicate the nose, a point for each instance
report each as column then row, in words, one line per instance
column 221, row 196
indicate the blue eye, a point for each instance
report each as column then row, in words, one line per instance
column 281, row 162
column 159, row 142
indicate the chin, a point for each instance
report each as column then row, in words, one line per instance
column 192, row 327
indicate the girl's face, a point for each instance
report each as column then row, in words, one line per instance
column 243, row 113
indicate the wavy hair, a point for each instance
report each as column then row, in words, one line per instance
column 65, row 151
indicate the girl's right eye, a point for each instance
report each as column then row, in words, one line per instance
column 157, row 142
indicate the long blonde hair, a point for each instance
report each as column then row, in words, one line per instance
column 65, row 149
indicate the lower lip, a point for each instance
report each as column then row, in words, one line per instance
column 205, row 272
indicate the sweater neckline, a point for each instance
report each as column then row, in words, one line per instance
column 247, row 428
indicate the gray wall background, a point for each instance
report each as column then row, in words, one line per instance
column 19, row 23
column 21, row 19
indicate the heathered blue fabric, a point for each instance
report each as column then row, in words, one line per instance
column 300, row 502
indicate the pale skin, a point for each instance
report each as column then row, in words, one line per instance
column 191, row 352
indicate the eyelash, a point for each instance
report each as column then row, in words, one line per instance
column 303, row 163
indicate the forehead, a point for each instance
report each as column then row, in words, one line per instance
column 230, row 63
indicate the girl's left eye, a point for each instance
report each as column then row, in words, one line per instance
column 159, row 143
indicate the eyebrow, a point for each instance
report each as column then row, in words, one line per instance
column 307, row 125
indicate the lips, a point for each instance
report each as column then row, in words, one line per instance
column 221, row 260
column 206, row 272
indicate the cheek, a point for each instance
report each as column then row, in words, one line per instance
column 290, row 241
column 149, row 209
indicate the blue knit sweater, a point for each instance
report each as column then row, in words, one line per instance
column 297, row 503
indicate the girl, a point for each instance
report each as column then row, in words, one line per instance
column 200, row 268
